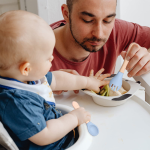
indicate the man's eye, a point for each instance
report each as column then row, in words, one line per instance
column 87, row 21
column 107, row 21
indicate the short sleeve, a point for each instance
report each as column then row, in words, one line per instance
column 29, row 111
column 127, row 32
column 49, row 77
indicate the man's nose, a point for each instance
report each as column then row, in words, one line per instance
column 98, row 31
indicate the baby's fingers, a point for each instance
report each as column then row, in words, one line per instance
column 99, row 72
column 91, row 73
column 102, row 77
column 105, row 82
column 88, row 116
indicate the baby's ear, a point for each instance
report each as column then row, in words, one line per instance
column 25, row 68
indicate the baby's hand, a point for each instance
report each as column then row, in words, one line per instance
column 97, row 81
column 82, row 115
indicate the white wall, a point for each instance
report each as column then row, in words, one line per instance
column 137, row 11
column 7, row 5
column 49, row 10
column 53, row 6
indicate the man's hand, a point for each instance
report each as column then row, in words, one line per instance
column 69, row 71
column 139, row 60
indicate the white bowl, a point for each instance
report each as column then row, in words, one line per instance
column 128, row 85
column 85, row 139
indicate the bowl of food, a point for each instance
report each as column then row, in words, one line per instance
column 108, row 97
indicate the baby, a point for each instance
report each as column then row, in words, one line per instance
column 27, row 105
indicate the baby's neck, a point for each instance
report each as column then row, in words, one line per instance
column 12, row 74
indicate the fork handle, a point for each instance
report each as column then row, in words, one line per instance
column 124, row 65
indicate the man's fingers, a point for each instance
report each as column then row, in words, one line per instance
column 123, row 54
column 143, row 70
column 57, row 92
column 76, row 91
column 142, row 65
column 99, row 72
column 132, row 50
column 70, row 71
column 137, row 58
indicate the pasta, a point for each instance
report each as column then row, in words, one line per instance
column 106, row 91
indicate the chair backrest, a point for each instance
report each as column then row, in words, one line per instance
column 6, row 142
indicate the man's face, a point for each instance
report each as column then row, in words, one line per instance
column 91, row 22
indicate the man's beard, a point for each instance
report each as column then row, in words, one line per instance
column 82, row 44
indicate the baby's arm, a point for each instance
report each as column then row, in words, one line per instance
column 58, row 128
column 65, row 81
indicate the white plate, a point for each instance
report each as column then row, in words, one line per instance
column 128, row 85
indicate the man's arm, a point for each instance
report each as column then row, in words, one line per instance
column 139, row 60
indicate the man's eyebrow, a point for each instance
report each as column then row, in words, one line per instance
column 87, row 14
column 111, row 15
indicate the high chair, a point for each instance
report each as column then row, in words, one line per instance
column 115, row 123
column 84, row 140
column 6, row 142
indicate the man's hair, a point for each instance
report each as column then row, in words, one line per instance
column 70, row 4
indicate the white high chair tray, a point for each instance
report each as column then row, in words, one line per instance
column 125, row 127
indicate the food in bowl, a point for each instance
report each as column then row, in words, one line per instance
column 106, row 91
column 130, row 86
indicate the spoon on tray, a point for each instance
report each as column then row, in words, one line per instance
column 92, row 128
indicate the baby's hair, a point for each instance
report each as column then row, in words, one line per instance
column 18, row 31
column 10, row 36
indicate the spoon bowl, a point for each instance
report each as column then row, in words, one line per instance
column 92, row 128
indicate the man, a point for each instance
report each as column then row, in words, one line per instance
column 90, row 37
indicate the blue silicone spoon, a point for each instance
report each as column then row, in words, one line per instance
column 92, row 128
